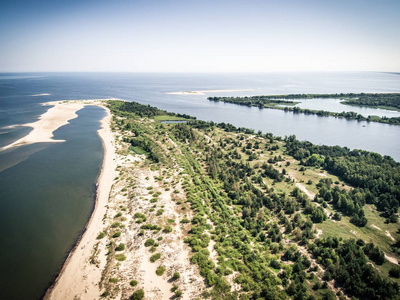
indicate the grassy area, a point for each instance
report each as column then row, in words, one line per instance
column 168, row 118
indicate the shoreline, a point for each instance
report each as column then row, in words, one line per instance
column 55, row 117
column 203, row 92
column 64, row 285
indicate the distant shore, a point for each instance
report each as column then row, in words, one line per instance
column 203, row 92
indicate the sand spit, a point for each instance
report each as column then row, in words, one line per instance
column 128, row 186
column 207, row 91
column 51, row 120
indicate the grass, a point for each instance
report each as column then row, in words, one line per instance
column 168, row 118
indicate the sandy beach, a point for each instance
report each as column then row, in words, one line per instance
column 204, row 92
column 73, row 278
column 91, row 267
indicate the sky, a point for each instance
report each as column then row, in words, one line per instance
column 199, row 36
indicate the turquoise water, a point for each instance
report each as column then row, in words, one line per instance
column 47, row 190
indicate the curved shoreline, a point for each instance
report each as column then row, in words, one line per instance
column 64, row 286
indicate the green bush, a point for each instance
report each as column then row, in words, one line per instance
column 155, row 257
column 176, row 276
column 174, row 288
column 101, row 235
column 167, row 229
column 138, row 295
column 117, row 234
column 149, row 242
column 120, row 257
column 118, row 215
column 115, row 224
column 394, row 272
column 133, row 283
column 113, row 280
column 121, row 247
column 160, row 212
column 160, row 270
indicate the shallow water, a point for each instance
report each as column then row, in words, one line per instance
column 46, row 199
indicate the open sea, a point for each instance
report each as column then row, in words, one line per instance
column 47, row 190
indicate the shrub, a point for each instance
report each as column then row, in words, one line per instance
column 149, row 242
column 138, row 295
column 184, row 220
column 174, row 288
column 101, row 235
column 176, row 276
column 394, row 272
column 155, row 257
column 133, row 283
column 178, row 293
column 117, row 234
column 114, row 280
column 120, row 257
column 118, row 215
column 115, row 224
column 160, row 212
column 167, row 229
column 121, row 247
column 160, row 270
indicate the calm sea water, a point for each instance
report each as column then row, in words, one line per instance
column 47, row 190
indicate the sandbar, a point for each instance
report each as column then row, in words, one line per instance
column 203, row 92
column 57, row 116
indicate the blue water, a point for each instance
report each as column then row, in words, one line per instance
column 47, row 190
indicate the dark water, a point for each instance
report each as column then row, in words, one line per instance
column 47, row 190
column 45, row 201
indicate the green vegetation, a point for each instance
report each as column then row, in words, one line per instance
column 121, row 247
column 289, row 219
column 120, row 257
column 387, row 101
column 137, row 295
column 149, row 242
column 133, row 283
column 176, row 276
column 101, row 235
column 117, row 234
column 160, row 270
column 155, row 257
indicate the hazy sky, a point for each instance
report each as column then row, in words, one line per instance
column 200, row 36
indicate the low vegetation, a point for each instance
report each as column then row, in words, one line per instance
column 267, row 217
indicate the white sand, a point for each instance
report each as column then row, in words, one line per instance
column 50, row 121
column 207, row 91
column 77, row 276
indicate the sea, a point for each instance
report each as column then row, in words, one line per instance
column 47, row 190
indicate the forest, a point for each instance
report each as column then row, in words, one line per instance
column 260, row 201
column 286, row 103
